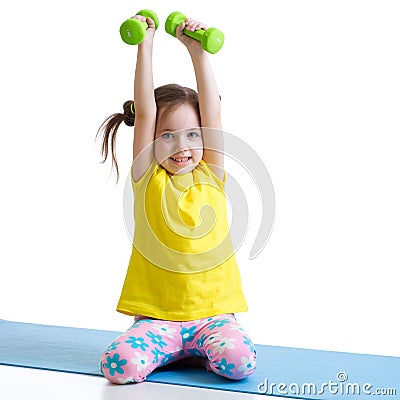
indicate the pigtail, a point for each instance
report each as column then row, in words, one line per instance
column 109, row 128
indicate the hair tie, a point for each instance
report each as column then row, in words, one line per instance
column 132, row 110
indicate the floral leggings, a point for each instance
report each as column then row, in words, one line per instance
column 151, row 343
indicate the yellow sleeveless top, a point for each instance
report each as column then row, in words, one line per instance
column 182, row 265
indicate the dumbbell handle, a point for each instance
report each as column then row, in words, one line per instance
column 198, row 35
column 211, row 39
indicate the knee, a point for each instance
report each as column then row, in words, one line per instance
column 234, row 365
column 247, row 364
column 120, row 368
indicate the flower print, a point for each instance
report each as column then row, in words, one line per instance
column 137, row 342
column 188, row 334
column 114, row 364
column 248, row 342
column 167, row 359
column 200, row 341
column 113, row 346
column 248, row 365
column 141, row 322
column 179, row 351
column 213, row 337
column 236, row 327
column 224, row 343
column 156, row 352
column 165, row 330
column 218, row 323
column 156, row 339
column 224, row 367
column 141, row 361
column 195, row 352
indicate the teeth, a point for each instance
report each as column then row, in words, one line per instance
column 184, row 159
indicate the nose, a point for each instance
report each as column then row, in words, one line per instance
column 180, row 142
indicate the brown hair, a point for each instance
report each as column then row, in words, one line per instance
column 167, row 97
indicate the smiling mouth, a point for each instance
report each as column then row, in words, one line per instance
column 180, row 160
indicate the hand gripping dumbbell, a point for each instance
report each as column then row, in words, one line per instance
column 211, row 39
column 133, row 31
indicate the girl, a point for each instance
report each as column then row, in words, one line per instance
column 182, row 284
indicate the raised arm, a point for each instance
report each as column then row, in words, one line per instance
column 145, row 105
column 209, row 100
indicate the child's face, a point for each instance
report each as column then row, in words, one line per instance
column 178, row 145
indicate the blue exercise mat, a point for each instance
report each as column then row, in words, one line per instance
column 281, row 371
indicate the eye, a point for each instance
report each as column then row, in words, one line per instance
column 167, row 135
column 193, row 134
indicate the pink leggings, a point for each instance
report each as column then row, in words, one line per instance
column 151, row 343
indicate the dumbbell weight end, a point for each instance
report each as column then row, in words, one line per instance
column 133, row 31
column 211, row 39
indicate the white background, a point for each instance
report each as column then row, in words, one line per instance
column 312, row 86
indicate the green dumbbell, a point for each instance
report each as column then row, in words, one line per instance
column 211, row 39
column 133, row 31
